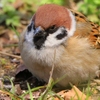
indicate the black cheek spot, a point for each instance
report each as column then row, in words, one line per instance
column 29, row 28
column 62, row 35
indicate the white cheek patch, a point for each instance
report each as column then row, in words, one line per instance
column 29, row 33
column 53, row 41
column 29, row 37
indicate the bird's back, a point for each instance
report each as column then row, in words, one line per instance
column 86, row 28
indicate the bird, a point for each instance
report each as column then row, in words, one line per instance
column 62, row 37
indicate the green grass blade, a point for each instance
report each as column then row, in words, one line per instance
column 15, row 31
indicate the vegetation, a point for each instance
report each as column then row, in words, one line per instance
column 91, row 8
column 11, row 13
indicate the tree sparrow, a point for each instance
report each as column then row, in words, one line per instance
column 75, row 39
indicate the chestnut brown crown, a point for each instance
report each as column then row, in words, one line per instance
column 51, row 14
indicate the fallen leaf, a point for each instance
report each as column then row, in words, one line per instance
column 73, row 94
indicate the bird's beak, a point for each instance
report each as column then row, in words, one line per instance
column 39, row 29
column 39, row 37
column 39, row 34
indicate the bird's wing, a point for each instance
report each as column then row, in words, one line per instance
column 86, row 28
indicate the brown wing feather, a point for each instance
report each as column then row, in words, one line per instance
column 86, row 28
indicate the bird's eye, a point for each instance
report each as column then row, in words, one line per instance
column 51, row 29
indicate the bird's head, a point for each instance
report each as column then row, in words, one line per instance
column 50, row 26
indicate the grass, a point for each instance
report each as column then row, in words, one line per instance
column 48, row 92
column 14, row 30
